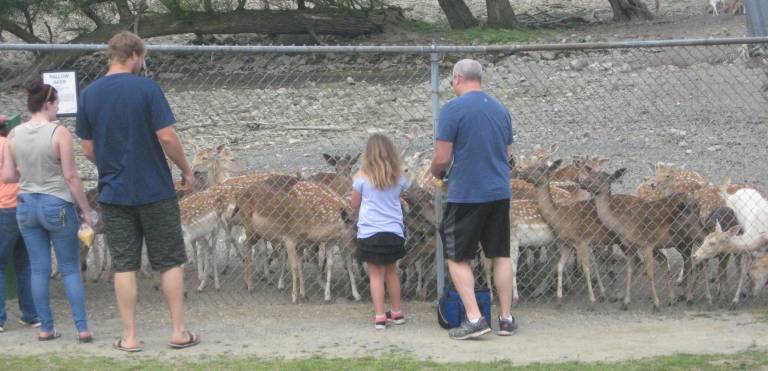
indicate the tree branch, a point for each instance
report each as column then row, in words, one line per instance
column 20, row 32
column 91, row 14
column 124, row 11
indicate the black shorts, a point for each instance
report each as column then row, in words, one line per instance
column 381, row 249
column 466, row 225
column 158, row 224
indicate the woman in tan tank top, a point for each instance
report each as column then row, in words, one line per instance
column 39, row 155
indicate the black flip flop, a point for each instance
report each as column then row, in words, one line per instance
column 119, row 346
column 193, row 340
column 51, row 336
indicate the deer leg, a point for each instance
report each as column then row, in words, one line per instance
column 421, row 287
column 214, row 265
column 247, row 256
column 293, row 260
column 328, row 273
column 514, row 254
column 594, row 260
column 322, row 251
column 629, row 264
column 350, row 263
column 565, row 253
column 582, row 254
column 648, row 261
column 300, row 255
column 743, row 268
column 487, row 265
column 663, row 258
column 203, row 261
column 722, row 275
column 282, row 263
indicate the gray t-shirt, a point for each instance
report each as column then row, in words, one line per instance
column 380, row 210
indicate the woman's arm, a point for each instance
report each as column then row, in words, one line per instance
column 10, row 172
column 64, row 141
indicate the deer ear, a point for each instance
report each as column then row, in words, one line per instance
column 619, row 173
column 331, row 160
column 734, row 231
column 220, row 147
column 555, row 164
column 588, row 168
column 653, row 167
column 603, row 161
column 554, row 148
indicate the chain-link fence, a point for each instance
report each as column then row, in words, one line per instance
column 275, row 133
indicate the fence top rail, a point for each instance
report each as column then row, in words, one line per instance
column 399, row 49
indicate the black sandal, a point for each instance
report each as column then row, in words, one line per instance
column 51, row 336
column 193, row 340
column 119, row 346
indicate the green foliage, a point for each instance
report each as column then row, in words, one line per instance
column 740, row 361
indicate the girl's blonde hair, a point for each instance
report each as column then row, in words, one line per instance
column 381, row 162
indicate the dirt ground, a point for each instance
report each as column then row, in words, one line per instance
column 252, row 329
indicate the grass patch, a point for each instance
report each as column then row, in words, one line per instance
column 474, row 35
column 740, row 361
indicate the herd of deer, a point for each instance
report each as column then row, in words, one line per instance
column 570, row 207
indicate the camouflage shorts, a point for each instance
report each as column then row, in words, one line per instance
column 158, row 224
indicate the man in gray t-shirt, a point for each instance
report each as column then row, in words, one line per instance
column 475, row 131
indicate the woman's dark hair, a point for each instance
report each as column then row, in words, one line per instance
column 38, row 94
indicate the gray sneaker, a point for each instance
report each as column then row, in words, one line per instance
column 469, row 330
column 506, row 327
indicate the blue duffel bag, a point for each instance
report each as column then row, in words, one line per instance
column 450, row 309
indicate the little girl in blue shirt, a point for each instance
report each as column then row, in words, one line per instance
column 380, row 230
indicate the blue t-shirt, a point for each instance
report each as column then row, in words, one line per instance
column 480, row 128
column 121, row 113
column 380, row 209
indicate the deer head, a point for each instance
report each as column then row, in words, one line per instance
column 342, row 164
column 715, row 243
column 539, row 174
column 599, row 182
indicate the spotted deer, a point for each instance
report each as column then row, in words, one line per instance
column 286, row 209
column 645, row 226
column 340, row 180
column 200, row 224
column 577, row 224
column 669, row 178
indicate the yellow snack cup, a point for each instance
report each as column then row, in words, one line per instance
column 86, row 235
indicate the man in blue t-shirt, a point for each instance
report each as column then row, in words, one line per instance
column 475, row 133
column 126, row 127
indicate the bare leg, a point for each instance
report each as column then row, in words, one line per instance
column 393, row 287
column 376, row 274
column 173, row 290
column 126, row 293
column 502, row 276
column 464, row 281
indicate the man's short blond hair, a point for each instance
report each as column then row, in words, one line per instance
column 123, row 46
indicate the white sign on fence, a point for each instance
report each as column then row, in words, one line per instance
column 65, row 83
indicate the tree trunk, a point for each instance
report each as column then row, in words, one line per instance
column 625, row 10
column 458, row 14
column 292, row 22
column 500, row 14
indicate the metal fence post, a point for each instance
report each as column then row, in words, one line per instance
column 439, row 261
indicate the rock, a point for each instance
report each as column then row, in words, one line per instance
column 682, row 144
column 350, row 80
column 548, row 56
column 624, row 68
column 578, row 64
column 714, row 148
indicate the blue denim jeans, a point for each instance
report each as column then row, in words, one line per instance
column 12, row 245
column 45, row 219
